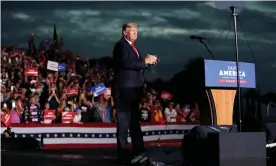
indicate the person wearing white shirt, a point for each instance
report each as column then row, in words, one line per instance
column 77, row 118
column 170, row 113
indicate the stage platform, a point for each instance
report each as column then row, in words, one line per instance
column 83, row 157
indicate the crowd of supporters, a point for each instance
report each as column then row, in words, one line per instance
column 32, row 92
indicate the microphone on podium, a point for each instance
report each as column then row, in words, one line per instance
column 196, row 37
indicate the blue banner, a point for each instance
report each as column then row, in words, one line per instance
column 98, row 89
column 61, row 67
column 224, row 74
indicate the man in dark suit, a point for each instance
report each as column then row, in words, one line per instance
column 129, row 64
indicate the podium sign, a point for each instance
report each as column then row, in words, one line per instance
column 224, row 74
column 220, row 75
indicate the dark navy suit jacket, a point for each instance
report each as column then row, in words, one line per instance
column 128, row 68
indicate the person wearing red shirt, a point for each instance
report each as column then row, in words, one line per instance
column 195, row 115
column 183, row 113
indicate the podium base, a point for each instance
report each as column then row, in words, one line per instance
column 214, row 146
column 238, row 149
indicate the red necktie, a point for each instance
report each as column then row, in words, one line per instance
column 134, row 48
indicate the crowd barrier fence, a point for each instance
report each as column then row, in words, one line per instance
column 93, row 135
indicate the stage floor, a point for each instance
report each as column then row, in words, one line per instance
column 83, row 157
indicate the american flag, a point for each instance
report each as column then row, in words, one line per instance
column 94, row 135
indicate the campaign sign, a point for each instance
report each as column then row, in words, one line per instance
column 51, row 65
column 61, row 67
column 166, row 95
column 98, row 89
column 49, row 115
column 72, row 91
column 68, row 117
column 6, row 119
column 224, row 74
column 32, row 72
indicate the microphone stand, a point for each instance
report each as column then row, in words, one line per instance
column 234, row 14
column 210, row 52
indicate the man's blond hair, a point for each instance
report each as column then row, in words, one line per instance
column 129, row 25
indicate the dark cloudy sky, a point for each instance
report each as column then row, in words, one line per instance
column 92, row 28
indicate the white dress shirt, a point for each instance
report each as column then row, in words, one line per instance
column 128, row 41
column 131, row 46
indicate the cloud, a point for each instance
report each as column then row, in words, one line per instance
column 210, row 4
column 92, row 28
column 23, row 16
column 87, row 22
column 158, row 32
column 76, row 13
column 44, row 31
column 183, row 13
column 265, row 8
column 106, row 24
column 85, row 12
column 171, row 32
column 153, row 23
column 225, row 5
column 155, row 20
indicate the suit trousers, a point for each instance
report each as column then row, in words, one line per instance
column 128, row 117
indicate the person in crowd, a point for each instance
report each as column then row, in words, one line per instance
column 77, row 117
column 61, row 107
column 32, row 113
column 47, row 108
column 109, row 105
column 100, row 107
column 195, row 114
column 157, row 115
column 178, row 111
column 18, row 106
column 183, row 113
column 170, row 113
column 8, row 133
column 16, row 113
column 145, row 112
column 53, row 98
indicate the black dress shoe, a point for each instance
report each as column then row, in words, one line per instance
column 141, row 160
column 144, row 160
